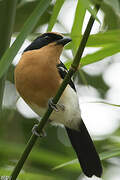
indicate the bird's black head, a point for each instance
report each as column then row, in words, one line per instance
column 46, row 39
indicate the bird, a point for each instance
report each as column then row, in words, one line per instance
column 38, row 76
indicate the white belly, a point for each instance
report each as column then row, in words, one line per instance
column 71, row 116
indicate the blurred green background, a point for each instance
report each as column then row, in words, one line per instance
column 97, row 84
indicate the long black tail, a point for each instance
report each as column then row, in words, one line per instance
column 85, row 150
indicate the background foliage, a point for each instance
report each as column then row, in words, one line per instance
column 31, row 19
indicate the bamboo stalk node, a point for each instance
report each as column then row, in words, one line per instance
column 73, row 68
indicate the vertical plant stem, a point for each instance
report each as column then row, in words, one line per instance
column 7, row 16
column 2, row 85
column 44, row 120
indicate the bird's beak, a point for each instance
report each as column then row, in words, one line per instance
column 63, row 41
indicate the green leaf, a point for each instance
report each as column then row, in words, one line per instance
column 98, row 40
column 65, row 164
column 103, row 102
column 27, row 28
column 110, row 154
column 111, row 16
column 24, row 10
column 109, row 50
column 114, row 4
column 93, row 12
column 102, row 39
column 7, row 17
column 103, row 156
column 55, row 13
column 77, row 25
column 106, row 51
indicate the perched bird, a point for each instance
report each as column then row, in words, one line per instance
column 38, row 77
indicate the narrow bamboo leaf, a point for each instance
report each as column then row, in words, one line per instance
column 21, row 3
column 7, row 10
column 77, row 25
column 110, row 154
column 103, row 102
column 102, row 39
column 101, row 54
column 55, row 13
column 27, row 28
column 65, row 164
column 103, row 156
column 24, row 10
column 93, row 12
column 114, row 4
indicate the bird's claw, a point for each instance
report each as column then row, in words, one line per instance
column 56, row 107
column 52, row 105
column 34, row 131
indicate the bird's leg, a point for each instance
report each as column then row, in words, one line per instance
column 34, row 131
column 55, row 107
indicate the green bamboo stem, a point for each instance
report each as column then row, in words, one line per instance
column 44, row 120
column 7, row 17
column 2, row 85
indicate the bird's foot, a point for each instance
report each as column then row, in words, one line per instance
column 34, row 131
column 52, row 105
column 56, row 107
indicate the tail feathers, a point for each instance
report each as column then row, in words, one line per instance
column 85, row 150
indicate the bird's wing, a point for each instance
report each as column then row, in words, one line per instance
column 63, row 71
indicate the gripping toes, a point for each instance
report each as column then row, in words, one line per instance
column 56, row 107
column 34, row 131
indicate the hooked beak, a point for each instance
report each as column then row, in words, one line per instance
column 63, row 41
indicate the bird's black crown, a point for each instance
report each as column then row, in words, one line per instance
column 43, row 40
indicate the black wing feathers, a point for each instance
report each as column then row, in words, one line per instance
column 63, row 71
